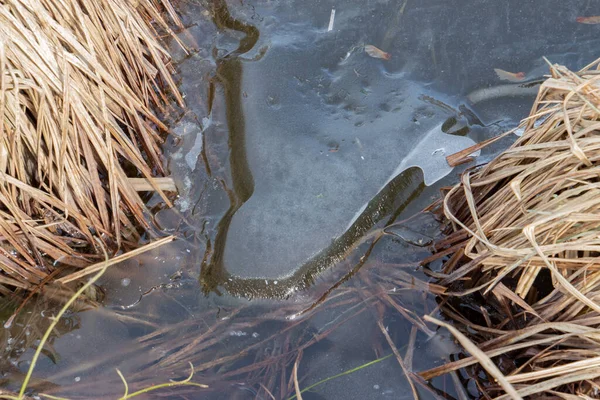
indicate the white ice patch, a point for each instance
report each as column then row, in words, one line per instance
column 331, row 19
column 433, row 163
column 429, row 154
column 187, row 130
column 521, row 129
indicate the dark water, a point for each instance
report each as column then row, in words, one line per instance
column 297, row 148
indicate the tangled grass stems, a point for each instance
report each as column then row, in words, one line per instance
column 82, row 85
column 107, row 263
column 522, row 267
column 51, row 328
column 57, row 318
column 265, row 371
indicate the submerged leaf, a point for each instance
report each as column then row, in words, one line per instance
column 509, row 76
column 589, row 20
column 377, row 53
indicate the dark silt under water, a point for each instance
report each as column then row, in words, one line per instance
column 296, row 150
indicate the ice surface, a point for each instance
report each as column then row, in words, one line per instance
column 314, row 129
column 321, row 141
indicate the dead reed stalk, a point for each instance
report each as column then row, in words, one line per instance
column 80, row 82
column 522, row 266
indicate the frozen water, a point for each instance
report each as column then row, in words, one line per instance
column 318, row 135
column 321, row 141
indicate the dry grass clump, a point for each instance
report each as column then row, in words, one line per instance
column 523, row 272
column 79, row 80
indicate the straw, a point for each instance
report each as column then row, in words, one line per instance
column 80, row 82
column 522, row 281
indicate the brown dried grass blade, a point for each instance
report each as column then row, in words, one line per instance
column 525, row 228
column 407, row 373
column 462, row 156
column 295, row 374
column 78, row 138
column 143, row 185
column 115, row 260
column 481, row 357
